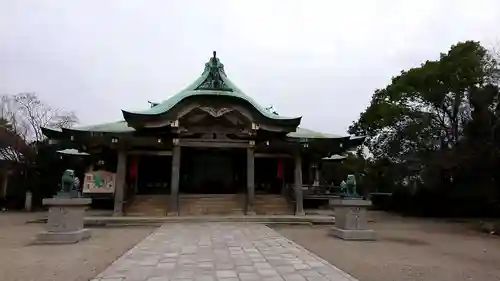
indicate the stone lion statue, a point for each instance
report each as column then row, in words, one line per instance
column 351, row 186
column 68, row 181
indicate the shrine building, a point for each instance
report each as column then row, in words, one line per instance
column 209, row 149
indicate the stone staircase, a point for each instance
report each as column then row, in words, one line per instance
column 148, row 206
column 211, row 204
column 272, row 204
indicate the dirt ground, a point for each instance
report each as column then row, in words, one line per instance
column 407, row 249
column 22, row 261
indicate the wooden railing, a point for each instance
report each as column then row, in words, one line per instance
column 312, row 192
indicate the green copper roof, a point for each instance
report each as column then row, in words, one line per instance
column 212, row 82
column 310, row 134
column 112, row 127
column 334, row 157
column 73, row 152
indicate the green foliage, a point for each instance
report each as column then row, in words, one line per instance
column 436, row 124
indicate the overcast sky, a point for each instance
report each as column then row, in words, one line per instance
column 316, row 59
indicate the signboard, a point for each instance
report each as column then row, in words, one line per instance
column 99, row 182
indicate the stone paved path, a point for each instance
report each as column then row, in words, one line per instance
column 226, row 252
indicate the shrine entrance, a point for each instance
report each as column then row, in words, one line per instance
column 154, row 174
column 213, row 170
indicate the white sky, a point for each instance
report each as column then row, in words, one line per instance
column 318, row 59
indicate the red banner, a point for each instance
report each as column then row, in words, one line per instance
column 280, row 168
column 133, row 168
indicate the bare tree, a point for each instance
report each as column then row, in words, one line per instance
column 31, row 114
column 21, row 119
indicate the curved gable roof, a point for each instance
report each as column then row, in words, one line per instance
column 212, row 82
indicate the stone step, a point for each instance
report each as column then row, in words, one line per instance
column 148, row 205
column 211, row 204
column 264, row 219
column 272, row 204
column 155, row 221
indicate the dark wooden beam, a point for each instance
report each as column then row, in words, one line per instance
column 272, row 155
column 150, row 152
column 214, row 143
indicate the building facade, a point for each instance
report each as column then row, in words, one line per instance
column 208, row 141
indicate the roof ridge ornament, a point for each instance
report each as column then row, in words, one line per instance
column 214, row 80
column 272, row 109
column 153, row 104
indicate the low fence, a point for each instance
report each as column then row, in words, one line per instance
column 322, row 193
column 315, row 192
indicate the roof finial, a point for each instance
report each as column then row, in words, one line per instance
column 215, row 53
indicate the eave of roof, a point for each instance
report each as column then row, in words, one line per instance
column 122, row 127
column 334, row 157
column 303, row 133
column 111, row 127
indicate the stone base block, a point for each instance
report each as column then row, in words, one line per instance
column 62, row 237
column 358, row 234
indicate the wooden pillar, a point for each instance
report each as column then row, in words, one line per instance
column 283, row 178
column 174, row 184
column 5, row 183
column 121, row 171
column 250, row 180
column 299, row 207
column 316, row 175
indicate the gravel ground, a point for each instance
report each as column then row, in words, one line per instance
column 407, row 249
column 21, row 261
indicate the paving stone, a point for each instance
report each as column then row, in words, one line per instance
column 315, row 264
column 156, row 278
column 248, row 276
column 311, row 274
column 242, row 262
column 219, row 252
column 166, row 265
column 294, row 277
column 285, row 269
column 224, row 266
column 245, row 268
column 274, row 278
column 204, row 278
column 205, row 264
column 226, row 274
column 262, row 265
column 267, row 272
column 300, row 266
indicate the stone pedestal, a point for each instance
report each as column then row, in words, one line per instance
column 351, row 219
column 65, row 222
column 28, row 201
